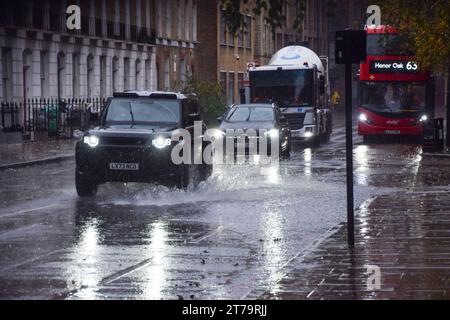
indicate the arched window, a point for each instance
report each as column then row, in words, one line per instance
column 27, row 73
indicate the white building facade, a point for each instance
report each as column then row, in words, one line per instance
column 40, row 58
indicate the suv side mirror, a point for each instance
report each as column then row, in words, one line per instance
column 220, row 119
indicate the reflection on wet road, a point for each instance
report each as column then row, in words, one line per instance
column 233, row 233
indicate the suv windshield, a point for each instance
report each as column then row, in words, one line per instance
column 142, row 111
column 240, row 114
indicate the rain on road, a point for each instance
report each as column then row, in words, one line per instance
column 234, row 234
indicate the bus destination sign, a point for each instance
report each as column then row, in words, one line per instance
column 389, row 66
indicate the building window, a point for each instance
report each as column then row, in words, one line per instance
column 188, row 18
column 230, row 88
column 223, row 81
column 126, row 73
column 248, row 32
column 223, row 29
column 168, row 19
column 61, row 63
column 167, row 74
column 115, row 74
column 182, row 72
column 194, row 21
column 137, row 74
column 44, row 74
column 180, row 13
column 90, row 76
column 7, row 73
column 76, row 75
column 148, row 74
column 103, row 76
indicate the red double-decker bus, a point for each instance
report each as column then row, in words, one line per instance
column 395, row 97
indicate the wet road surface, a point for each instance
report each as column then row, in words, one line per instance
column 231, row 235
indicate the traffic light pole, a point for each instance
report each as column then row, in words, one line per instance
column 349, row 155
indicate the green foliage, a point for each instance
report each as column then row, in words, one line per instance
column 211, row 97
column 274, row 17
column 426, row 25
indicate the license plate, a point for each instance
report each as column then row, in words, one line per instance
column 124, row 166
column 392, row 132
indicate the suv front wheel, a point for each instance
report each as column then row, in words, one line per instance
column 85, row 187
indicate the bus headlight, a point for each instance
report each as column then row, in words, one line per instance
column 161, row 142
column 423, row 118
column 363, row 117
column 91, row 141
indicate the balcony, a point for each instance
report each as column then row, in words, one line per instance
column 90, row 27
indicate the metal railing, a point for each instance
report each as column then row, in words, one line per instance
column 51, row 117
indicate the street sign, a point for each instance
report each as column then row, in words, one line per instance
column 351, row 46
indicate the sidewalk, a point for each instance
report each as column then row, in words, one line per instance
column 406, row 234
column 18, row 155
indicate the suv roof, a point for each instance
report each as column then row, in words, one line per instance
column 155, row 94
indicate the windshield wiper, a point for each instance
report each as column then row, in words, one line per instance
column 132, row 115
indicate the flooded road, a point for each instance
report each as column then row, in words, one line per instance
column 231, row 235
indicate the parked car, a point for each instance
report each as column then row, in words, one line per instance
column 133, row 142
column 267, row 120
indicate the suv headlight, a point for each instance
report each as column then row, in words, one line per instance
column 273, row 133
column 161, row 142
column 91, row 141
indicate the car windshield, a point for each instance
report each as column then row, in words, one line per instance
column 143, row 111
column 394, row 97
column 240, row 114
column 286, row 87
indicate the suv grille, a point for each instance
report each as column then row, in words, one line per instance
column 295, row 120
column 123, row 141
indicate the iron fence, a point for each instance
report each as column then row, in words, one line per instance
column 50, row 117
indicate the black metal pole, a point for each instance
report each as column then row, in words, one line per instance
column 349, row 156
column 448, row 111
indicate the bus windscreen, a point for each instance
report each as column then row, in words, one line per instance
column 285, row 87
column 393, row 97
column 387, row 45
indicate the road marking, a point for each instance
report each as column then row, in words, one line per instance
column 28, row 261
column 125, row 272
column 208, row 235
column 29, row 210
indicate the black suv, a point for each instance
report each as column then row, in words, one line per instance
column 133, row 142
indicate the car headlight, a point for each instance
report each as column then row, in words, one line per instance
column 91, row 141
column 161, row 142
column 363, row 117
column 273, row 133
column 217, row 134
column 308, row 134
column 423, row 118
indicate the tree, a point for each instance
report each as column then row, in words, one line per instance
column 426, row 26
column 273, row 9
